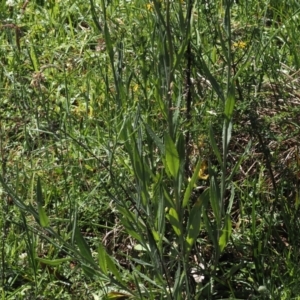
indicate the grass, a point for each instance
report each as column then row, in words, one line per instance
column 149, row 150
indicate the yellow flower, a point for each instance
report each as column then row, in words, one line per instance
column 135, row 87
column 203, row 171
column 240, row 45
column 150, row 6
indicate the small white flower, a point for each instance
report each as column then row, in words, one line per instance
column 10, row 3
column 23, row 256
column 198, row 277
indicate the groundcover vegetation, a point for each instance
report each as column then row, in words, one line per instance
column 149, row 150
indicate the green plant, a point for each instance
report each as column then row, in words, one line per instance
column 149, row 150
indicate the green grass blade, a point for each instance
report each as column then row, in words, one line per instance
column 226, row 233
column 102, row 259
column 44, row 221
column 107, row 264
column 194, row 225
column 172, row 156
column 215, row 199
column 229, row 104
column 174, row 220
column 227, row 130
column 84, row 248
column 159, row 143
column 237, row 165
column 191, row 184
column 94, row 16
column 33, row 58
column 214, row 145
column 54, row 262
column 206, row 72
column 19, row 203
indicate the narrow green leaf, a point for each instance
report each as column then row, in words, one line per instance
column 215, row 199
column 39, row 194
column 213, row 55
column 117, row 296
column 174, row 220
column 164, row 161
column 102, row 259
column 194, row 225
column 159, row 143
column 136, row 161
column 191, row 184
column 223, row 44
column 146, row 279
column 107, row 264
column 161, row 212
column 88, row 271
column 130, row 224
column 214, row 146
column 230, row 200
column 229, row 105
column 172, row 157
column 33, row 58
column 83, row 247
column 227, row 129
column 181, row 147
column 180, row 53
column 226, row 233
column 155, row 235
column 210, row 227
column 43, row 217
column 181, row 20
column 234, row 270
column 94, row 16
column 227, row 22
column 153, row 250
column 206, row 72
column 158, row 10
column 44, row 221
column 18, row 202
column 178, row 283
column 236, row 166
column 112, row 268
column 108, row 42
column 139, row 247
column 177, row 114
column 169, row 201
column 53, row 262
